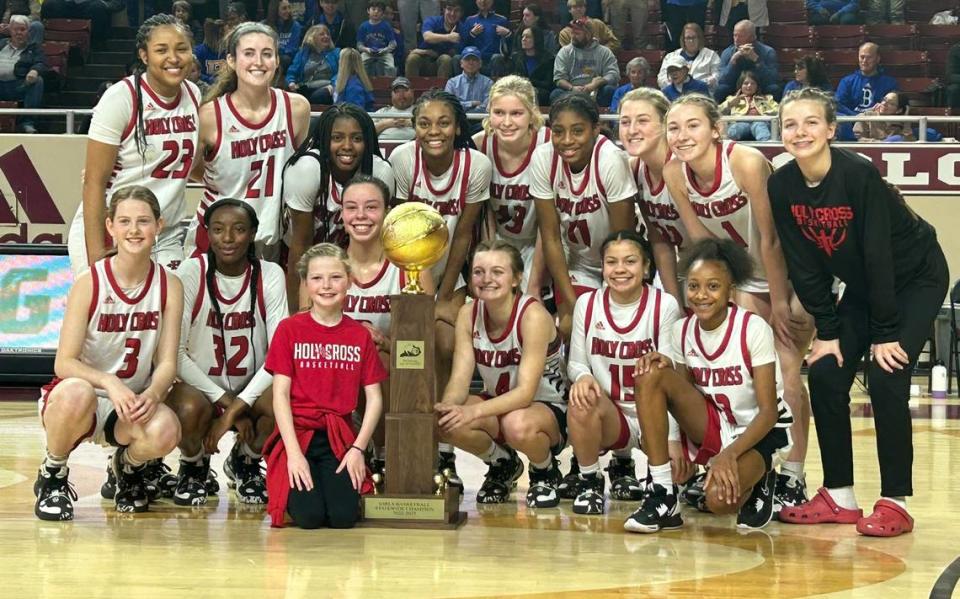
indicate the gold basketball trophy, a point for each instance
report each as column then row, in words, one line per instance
column 414, row 237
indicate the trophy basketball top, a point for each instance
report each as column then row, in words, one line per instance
column 414, row 237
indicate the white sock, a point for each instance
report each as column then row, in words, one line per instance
column 194, row 459
column 248, row 451
column 55, row 461
column 662, row 476
column 494, row 453
column 131, row 461
column 844, row 497
column 591, row 470
column 544, row 464
column 899, row 500
column 794, row 469
column 445, row 448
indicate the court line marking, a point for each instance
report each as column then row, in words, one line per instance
column 947, row 582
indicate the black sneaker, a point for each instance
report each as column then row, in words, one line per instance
column 543, row 486
column 567, row 489
column 109, row 487
column 55, row 494
column 589, row 499
column 159, row 480
column 131, row 496
column 624, row 485
column 447, row 466
column 790, row 492
column 758, row 510
column 501, row 478
column 693, row 494
column 191, row 486
column 658, row 511
column 246, row 477
column 212, row 484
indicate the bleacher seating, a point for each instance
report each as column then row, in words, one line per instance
column 787, row 12
column 75, row 32
column 894, row 37
column 790, row 36
column 938, row 36
column 839, row 36
column 57, row 55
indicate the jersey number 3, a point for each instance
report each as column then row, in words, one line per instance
column 174, row 153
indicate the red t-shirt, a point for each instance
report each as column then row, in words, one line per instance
column 327, row 366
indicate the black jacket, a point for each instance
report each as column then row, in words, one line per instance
column 32, row 58
column 542, row 75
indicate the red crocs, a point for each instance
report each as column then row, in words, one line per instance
column 820, row 510
column 887, row 520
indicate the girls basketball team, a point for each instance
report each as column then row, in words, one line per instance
column 660, row 298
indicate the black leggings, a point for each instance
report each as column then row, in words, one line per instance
column 333, row 501
column 919, row 302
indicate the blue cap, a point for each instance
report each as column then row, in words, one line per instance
column 470, row 51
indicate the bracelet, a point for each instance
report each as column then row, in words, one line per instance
column 355, row 447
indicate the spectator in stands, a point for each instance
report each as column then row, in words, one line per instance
column 193, row 77
column 534, row 62
column 598, row 29
column 354, row 10
column 585, row 66
column 484, row 31
column 616, row 13
column 352, row 82
column 442, row 35
column 749, row 102
column 409, row 10
column 533, row 17
column 183, row 12
column 27, row 8
column 401, row 100
column 342, row 30
column 471, row 86
column 885, row 11
column 704, row 63
column 834, row 12
column 676, row 15
column 21, row 64
column 594, row 10
column 864, row 88
column 95, row 10
column 681, row 83
column 809, row 71
column 289, row 30
column 892, row 104
column 315, row 66
column 399, row 53
column 208, row 54
column 747, row 53
column 235, row 14
column 376, row 42
column 734, row 11
column 638, row 69
column 953, row 76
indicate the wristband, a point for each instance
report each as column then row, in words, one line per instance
column 355, row 447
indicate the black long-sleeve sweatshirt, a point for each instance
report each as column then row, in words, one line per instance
column 852, row 226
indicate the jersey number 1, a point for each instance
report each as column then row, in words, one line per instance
column 620, row 380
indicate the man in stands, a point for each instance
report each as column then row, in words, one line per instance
column 442, row 35
column 598, row 29
column 21, row 63
column 863, row 89
column 585, row 66
column 746, row 53
column 408, row 9
column 484, row 31
column 29, row 9
column 471, row 86
column 401, row 100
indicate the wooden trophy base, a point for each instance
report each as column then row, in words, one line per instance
column 437, row 512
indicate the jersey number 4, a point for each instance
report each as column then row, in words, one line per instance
column 233, row 364
column 254, row 189
column 175, row 153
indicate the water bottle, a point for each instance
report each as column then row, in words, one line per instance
column 938, row 381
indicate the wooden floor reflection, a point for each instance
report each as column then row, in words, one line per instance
column 222, row 550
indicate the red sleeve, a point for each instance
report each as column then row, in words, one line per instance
column 373, row 370
column 280, row 352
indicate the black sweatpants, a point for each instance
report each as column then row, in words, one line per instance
column 919, row 302
column 333, row 501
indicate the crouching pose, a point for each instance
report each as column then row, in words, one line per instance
column 511, row 339
column 719, row 380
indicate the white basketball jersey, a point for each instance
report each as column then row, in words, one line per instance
column 510, row 196
column 724, row 374
column 370, row 301
column 123, row 330
column 246, row 162
column 498, row 360
column 724, row 210
column 614, row 338
column 232, row 346
column 656, row 205
column 171, row 132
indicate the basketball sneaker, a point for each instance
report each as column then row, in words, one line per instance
column 55, row 494
column 212, row 484
column 791, row 492
column 500, row 479
column 109, row 487
column 758, row 510
column 693, row 494
column 131, row 496
column 658, row 511
column 567, row 489
column 159, row 480
column 246, row 476
column 191, row 486
column 624, row 485
column 590, row 499
column 447, row 466
column 543, row 486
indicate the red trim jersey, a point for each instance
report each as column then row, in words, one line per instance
column 498, row 359
column 370, row 302
column 124, row 325
column 246, row 163
column 657, row 206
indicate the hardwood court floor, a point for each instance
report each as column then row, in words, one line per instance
column 222, row 550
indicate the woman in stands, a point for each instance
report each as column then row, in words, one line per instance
column 234, row 303
column 248, row 131
column 342, row 143
column 116, row 360
column 837, row 217
column 719, row 188
column 511, row 339
column 314, row 68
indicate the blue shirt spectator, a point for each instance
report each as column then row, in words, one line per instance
column 210, row 62
column 376, row 36
column 746, row 53
column 439, row 26
column 355, row 93
column 481, row 30
column 472, row 87
column 840, row 12
column 343, row 32
column 866, row 87
column 688, row 86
